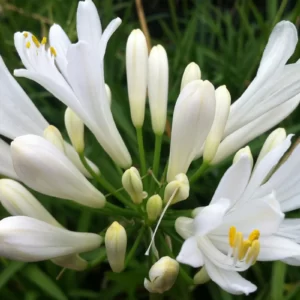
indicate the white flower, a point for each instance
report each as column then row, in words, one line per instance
column 271, row 97
column 6, row 165
column 136, row 70
column 243, row 206
column 78, row 81
column 192, row 120
column 158, row 79
column 162, row 275
column 41, row 166
column 53, row 135
column 19, row 116
column 177, row 189
column 191, row 72
column 27, row 239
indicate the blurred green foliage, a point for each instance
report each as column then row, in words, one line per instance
column 226, row 38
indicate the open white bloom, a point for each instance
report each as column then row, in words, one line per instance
column 6, row 165
column 158, row 79
column 244, row 221
column 192, row 120
column 19, row 116
column 27, row 239
column 271, row 97
column 43, row 167
column 74, row 74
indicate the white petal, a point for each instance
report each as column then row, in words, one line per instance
column 41, row 166
column 6, row 165
column 184, row 227
column 293, row 261
column 211, row 216
column 276, row 248
column 88, row 22
column 190, row 253
column 28, row 239
column 230, row 281
column 228, row 187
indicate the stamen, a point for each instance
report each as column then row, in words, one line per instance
column 243, row 251
column 53, row 51
column 253, row 253
column 36, row 41
column 254, row 235
column 25, row 34
column 231, row 235
column 44, row 40
column 238, row 245
column 28, row 45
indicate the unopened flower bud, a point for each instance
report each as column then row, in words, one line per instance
column 108, row 93
column 178, row 189
column 191, row 72
column 215, row 135
column 162, row 275
column 244, row 151
column 154, row 207
column 136, row 69
column 75, row 129
column 201, row 277
column 275, row 138
column 116, row 243
column 158, row 77
column 133, row 185
column 53, row 135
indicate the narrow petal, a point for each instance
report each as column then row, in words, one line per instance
column 230, row 281
column 28, row 239
column 190, row 253
column 184, row 227
column 6, row 164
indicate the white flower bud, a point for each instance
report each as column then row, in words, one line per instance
column 133, row 185
column 275, row 138
column 41, row 166
column 53, row 135
column 162, row 275
column 27, row 239
column 158, row 77
column 75, row 129
column 116, row 243
column 108, row 93
column 178, row 189
column 184, row 227
column 201, row 277
column 136, row 69
column 192, row 72
column 244, row 151
column 6, row 164
column 215, row 135
column 154, row 207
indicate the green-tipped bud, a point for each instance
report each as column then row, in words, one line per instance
column 192, row 72
column 162, row 275
column 154, row 207
column 75, row 129
column 201, row 277
column 53, row 135
column 133, row 185
column 178, row 189
column 116, row 243
column 242, row 152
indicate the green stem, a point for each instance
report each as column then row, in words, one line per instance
column 135, row 245
column 199, row 172
column 139, row 136
column 98, row 260
column 156, row 159
column 120, row 211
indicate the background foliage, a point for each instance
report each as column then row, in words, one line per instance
column 226, row 38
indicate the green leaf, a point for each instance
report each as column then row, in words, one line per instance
column 10, row 271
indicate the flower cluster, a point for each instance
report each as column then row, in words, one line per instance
column 245, row 221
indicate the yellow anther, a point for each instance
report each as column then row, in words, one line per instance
column 28, row 45
column 253, row 252
column 231, row 235
column 254, row 235
column 243, row 250
column 36, row 41
column 25, row 34
column 44, row 40
column 53, row 51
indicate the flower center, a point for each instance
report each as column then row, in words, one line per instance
column 244, row 250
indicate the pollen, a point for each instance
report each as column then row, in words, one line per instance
column 53, row 51
column 244, row 249
column 231, row 235
column 35, row 41
column 25, row 34
column 28, row 45
column 254, row 235
column 253, row 253
column 44, row 40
